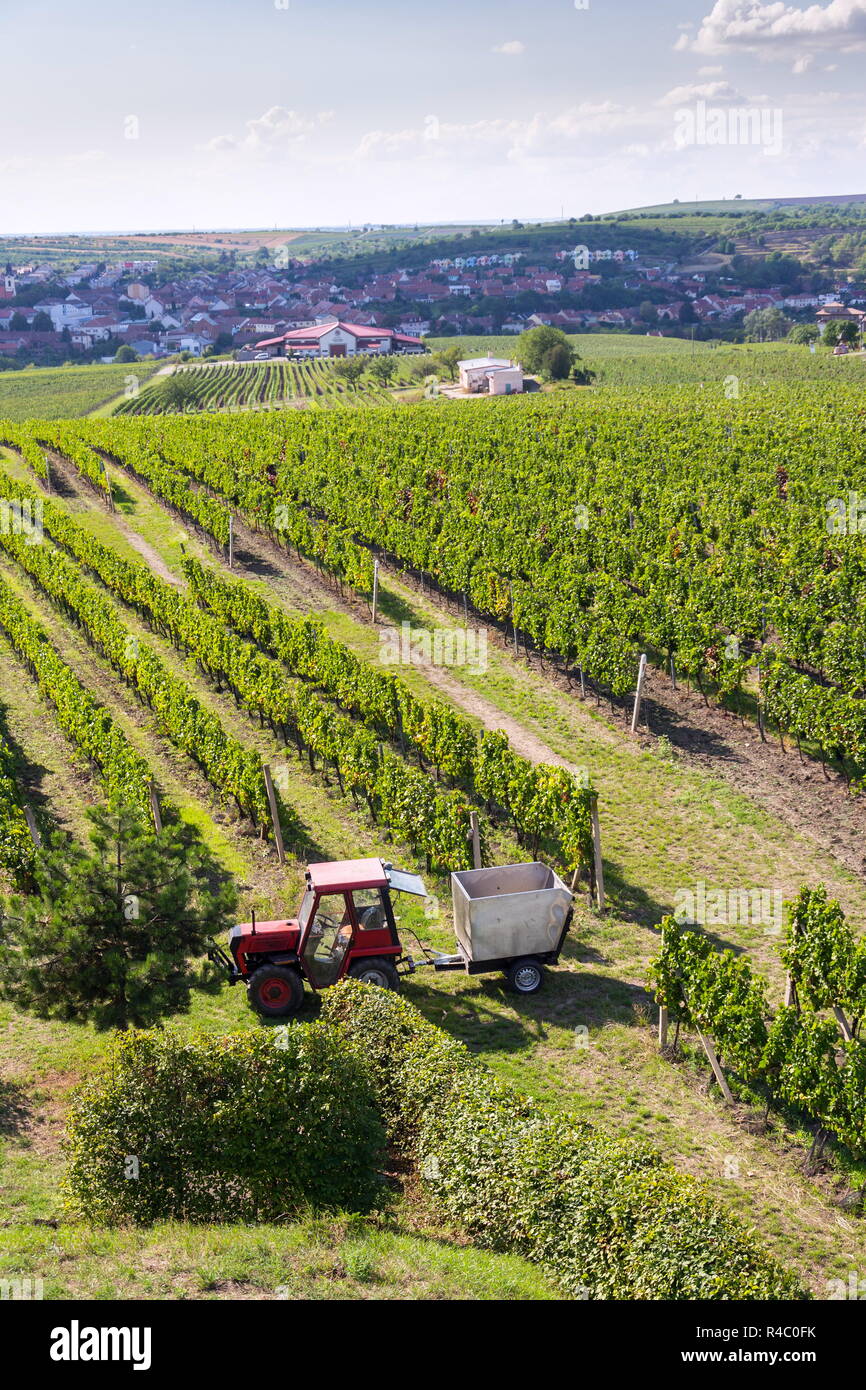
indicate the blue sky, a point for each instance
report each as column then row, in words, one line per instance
column 119, row 114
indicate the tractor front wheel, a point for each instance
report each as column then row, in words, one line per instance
column 375, row 972
column 275, row 992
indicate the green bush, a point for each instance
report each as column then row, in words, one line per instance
column 245, row 1127
column 606, row 1218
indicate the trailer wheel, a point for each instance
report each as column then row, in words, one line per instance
column 376, row 971
column 275, row 992
column 524, row 976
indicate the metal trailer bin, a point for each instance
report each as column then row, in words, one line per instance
column 509, row 912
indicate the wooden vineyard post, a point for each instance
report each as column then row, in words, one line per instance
column 789, row 991
column 843, row 1023
column 476, row 839
column 716, row 1065
column 32, row 826
column 514, row 624
column 154, row 807
column 673, row 673
column 596, row 849
column 582, row 683
column 231, row 541
column 375, row 589
column 641, row 676
column 275, row 815
column 663, row 1027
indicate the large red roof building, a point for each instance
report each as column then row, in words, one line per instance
column 335, row 338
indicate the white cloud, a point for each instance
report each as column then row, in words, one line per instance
column 774, row 29
column 570, row 131
column 802, row 65
column 511, row 49
column 710, row 71
column 720, row 92
column 277, row 128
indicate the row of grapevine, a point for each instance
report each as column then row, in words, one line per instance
column 18, row 437
column 331, row 547
column 16, row 843
column 87, row 724
column 435, row 821
column 803, row 1058
column 65, row 440
column 234, row 770
column 542, row 801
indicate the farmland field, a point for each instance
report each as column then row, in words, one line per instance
column 576, row 529
column 55, row 393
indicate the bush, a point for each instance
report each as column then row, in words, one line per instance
column 245, row 1127
column 602, row 1216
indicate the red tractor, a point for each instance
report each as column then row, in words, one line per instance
column 345, row 926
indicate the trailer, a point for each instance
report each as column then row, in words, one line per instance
column 512, row 918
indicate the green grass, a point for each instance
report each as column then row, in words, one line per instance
column 58, row 393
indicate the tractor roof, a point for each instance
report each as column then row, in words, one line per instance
column 347, row 873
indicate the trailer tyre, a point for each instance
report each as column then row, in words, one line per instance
column 275, row 991
column 377, row 971
column 524, row 977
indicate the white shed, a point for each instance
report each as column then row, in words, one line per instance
column 492, row 376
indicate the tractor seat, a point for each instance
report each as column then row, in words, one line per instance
column 371, row 918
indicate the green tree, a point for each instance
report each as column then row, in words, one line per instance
column 383, row 369
column 556, row 363
column 178, row 391
column 765, row 325
column 804, row 333
column 533, row 346
column 648, row 312
column 849, row 332
column 42, row 323
column 111, row 933
column 126, row 354
column 350, row 368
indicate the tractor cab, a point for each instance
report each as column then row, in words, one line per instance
column 345, row 926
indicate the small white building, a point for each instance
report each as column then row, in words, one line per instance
column 490, row 376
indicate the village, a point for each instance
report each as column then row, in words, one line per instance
column 280, row 307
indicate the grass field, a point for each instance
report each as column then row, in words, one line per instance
column 57, row 393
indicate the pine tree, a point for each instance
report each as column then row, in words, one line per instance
column 112, row 933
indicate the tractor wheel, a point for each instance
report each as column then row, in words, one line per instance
column 376, row 971
column 275, row 992
column 524, row 977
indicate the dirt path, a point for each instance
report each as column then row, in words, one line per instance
column 68, row 484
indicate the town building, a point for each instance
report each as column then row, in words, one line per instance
column 336, row 338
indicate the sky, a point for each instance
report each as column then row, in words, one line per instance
column 125, row 115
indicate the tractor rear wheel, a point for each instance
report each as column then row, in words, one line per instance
column 275, row 991
column 525, row 976
column 376, row 971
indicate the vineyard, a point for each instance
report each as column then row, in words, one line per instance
column 721, row 538
column 187, row 618
column 261, row 386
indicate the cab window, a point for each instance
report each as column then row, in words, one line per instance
column 370, row 909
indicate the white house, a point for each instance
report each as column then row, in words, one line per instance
column 491, row 376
